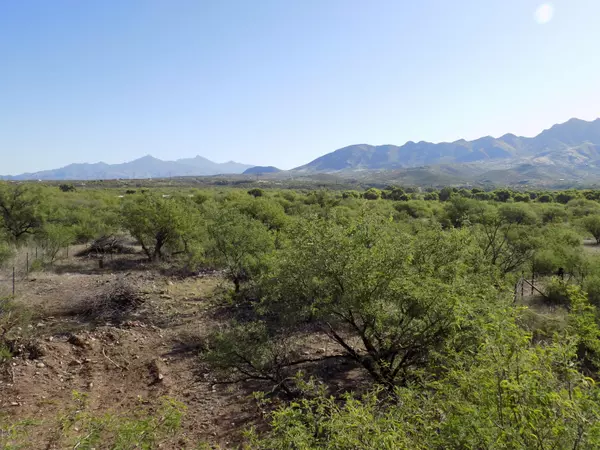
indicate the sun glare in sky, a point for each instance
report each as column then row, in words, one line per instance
column 544, row 13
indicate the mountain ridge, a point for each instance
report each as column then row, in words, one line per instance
column 570, row 149
column 140, row 168
column 557, row 143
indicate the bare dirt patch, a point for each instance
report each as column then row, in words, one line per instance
column 123, row 339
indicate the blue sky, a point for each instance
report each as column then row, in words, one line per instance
column 281, row 82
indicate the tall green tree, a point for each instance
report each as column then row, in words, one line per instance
column 238, row 244
column 20, row 210
column 159, row 223
column 507, row 236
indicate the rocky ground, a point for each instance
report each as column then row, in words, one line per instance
column 77, row 341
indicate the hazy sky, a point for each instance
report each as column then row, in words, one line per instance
column 281, row 82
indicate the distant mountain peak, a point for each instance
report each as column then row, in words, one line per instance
column 146, row 158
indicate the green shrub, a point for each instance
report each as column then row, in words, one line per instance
column 592, row 226
column 592, row 287
column 6, row 252
column 372, row 194
column 256, row 192
column 53, row 239
column 510, row 394
column 556, row 292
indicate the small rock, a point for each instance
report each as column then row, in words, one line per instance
column 40, row 365
column 76, row 341
column 321, row 350
column 156, row 370
column 14, row 404
column 40, row 324
column 90, row 385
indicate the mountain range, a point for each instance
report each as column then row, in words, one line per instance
column 570, row 150
column 146, row 167
column 574, row 143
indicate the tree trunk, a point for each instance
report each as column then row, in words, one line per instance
column 158, row 250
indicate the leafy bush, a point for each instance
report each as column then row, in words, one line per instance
column 417, row 209
column 350, row 194
column 256, row 192
column 250, row 351
column 238, row 244
column 388, row 300
column 545, row 198
column 557, row 292
column 510, row 394
column 592, row 226
column 592, row 287
column 67, row 188
column 54, row 238
column 372, row 194
column 6, row 252
column 553, row 214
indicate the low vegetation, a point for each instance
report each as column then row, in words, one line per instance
column 383, row 318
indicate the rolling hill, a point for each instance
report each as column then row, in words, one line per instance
column 260, row 170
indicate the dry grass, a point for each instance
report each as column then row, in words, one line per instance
column 114, row 303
